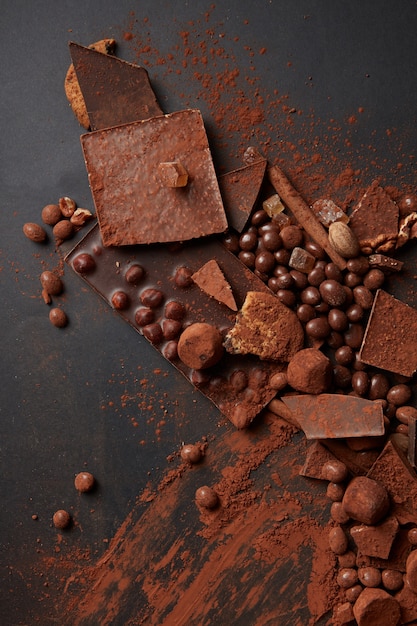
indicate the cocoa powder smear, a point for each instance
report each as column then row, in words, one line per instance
column 263, row 553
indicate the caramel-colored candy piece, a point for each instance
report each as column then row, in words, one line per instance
column 173, row 174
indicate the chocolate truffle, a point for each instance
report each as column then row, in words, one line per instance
column 372, row 604
column 310, row 371
column 366, row 500
column 200, row 346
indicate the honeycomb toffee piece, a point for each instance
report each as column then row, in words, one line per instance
column 390, row 340
column 265, row 327
column 375, row 220
column 240, row 189
column 330, row 416
column 151, row 287
column 133, row 204
column 114, row 91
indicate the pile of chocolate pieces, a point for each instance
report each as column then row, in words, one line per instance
column 278, row 308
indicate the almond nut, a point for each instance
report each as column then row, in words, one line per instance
column 343, row 240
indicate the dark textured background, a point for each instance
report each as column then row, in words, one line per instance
column 54, row 383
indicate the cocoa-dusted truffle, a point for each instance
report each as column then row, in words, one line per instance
column 84, row 481
column 265, row 327
column 372, row 604
column 366, row 500
column 310, row 371
column 200, row 346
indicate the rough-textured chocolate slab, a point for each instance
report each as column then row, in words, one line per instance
column 375, row 540
column 390, row 340
column 115, row 91
column 132, row 203
column 394, row 471
column 240, row 189
column 335, row 416
column 239, row 386
column 375, row 220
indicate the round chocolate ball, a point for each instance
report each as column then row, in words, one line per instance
column 191, row 453
column 58, row 317
column 206, row 497
column 84, row 481
column 61, row 519
column 200, row 346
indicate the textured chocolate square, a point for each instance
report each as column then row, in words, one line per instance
column 132, row 203
column 390, row 340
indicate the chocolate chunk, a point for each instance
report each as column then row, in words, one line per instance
column 317, row 455
column 375, row 540
column 366, row 500
column 390, row 340
column 133, row 206
column 374, row 605
column 114, row 91
column 310, row 371
column 240, row 190
column 385, row 263
column 335, row 416
column 265, row 327
column 240, row 386
column 412, row 441
column 211, row 279
column 375, row 220
column 394, row 471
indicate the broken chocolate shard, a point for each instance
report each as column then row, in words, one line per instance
column 375, row 220
column 115, row 91
column 412, row 441
column 212, row 281
column 393, row 470
column 390, row 340
column 240, row 189
column 375, row 540
column 385, row 263
column 133, row 206
column 330, row 416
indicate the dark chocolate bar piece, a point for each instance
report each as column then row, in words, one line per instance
column 390, row 340
column 329, row 416
column 152, row 289
column 126, row 168
column 115, row 91
column 240, row 189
